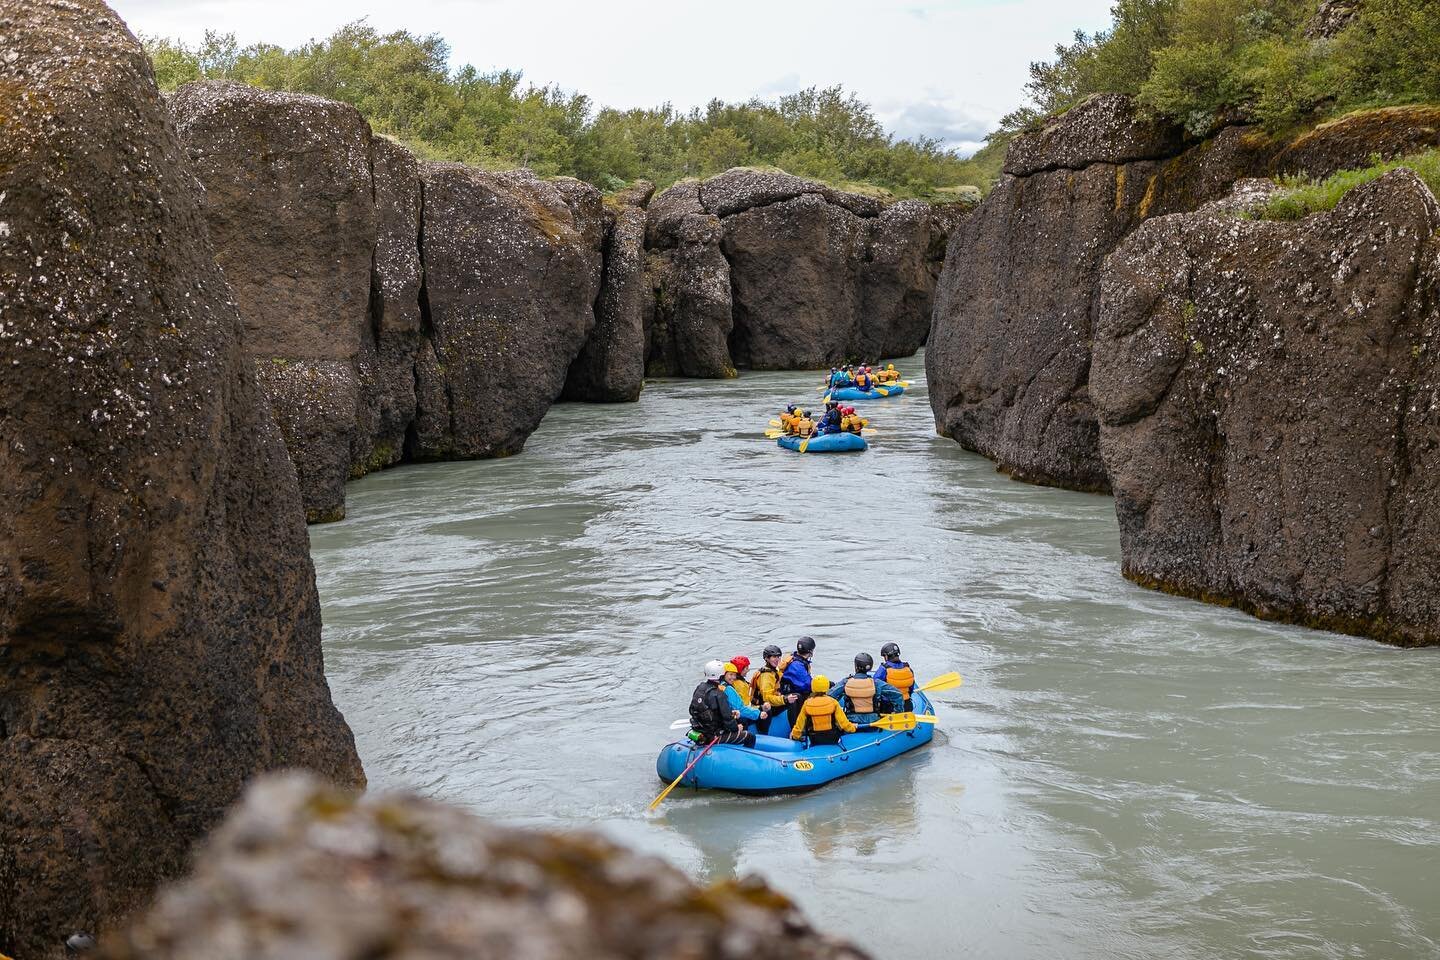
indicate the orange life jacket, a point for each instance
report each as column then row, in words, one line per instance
column 901, row 678
column 820, row 713
column 861, row 694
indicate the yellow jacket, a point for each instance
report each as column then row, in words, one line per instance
column 742, row 687
column 767, row 687
column 823, row 712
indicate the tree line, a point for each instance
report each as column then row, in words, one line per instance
column 403, row 85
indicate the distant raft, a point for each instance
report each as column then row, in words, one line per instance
column 778, row 764
column 855, row 393
column 825, row 443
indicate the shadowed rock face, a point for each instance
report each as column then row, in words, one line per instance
column 611, row 366
column 512, row 267
column 1008, row 361
column 159, row 626
column 1269, row 402
column 291, row 208
column 300, row 870
column 804, row 276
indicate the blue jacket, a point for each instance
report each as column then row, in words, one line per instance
column 797, row 671
column 747, row 712
column 887, row 698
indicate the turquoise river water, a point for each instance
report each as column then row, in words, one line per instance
column 1123, row 774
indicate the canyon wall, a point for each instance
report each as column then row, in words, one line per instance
column 1008, row 362
column 159, row 624
column 759, row 269
column 1269, row 406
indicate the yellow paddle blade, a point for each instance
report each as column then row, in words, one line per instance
column 869, row 432
column 666, row 792
column 946, row 681
column 772, row 434
column 776, row 423
column 882, row 391
column 896, row 721
column 804, row 444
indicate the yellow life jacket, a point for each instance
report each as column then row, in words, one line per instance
column 765, row 688
column 819, row 712
column 741, row 686
column 861, row 694
column 901, row 678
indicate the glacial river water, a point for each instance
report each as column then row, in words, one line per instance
column 1123, row 774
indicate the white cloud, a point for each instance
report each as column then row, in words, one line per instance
column 942, row 68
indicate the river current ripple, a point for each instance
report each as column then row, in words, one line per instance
column 1123, row 774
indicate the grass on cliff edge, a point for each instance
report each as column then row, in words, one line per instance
column 1303, row 196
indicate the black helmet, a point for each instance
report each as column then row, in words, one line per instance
column 863, row 662
column 805, row 645
column 891, row 651
column 772, row 651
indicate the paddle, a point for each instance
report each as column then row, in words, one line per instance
column 805, row 444
column 882, row 391
column 946, row 681
column 666, row 792
column 901, row 721
column 772, row 434
column 776, row 423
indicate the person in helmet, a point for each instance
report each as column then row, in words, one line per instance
column 741, row 683
column 863, row 380
column 830, row 422
column 888, row 375
column 850, row 421
column 896, row 672
column 821, row 717
column 740, row 702
column 765, row 685
column 864, row 698
column 795, row 676
column 711, row 716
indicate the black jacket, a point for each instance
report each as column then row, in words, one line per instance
column 710, row 711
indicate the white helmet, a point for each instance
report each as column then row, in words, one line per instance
column 714, row 670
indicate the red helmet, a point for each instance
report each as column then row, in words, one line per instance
column 742, row 662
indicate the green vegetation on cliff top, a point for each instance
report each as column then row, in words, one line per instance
column 1198, row 62
column 403, row 85
column 1302, row 196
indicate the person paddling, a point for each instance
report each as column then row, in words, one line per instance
column 711, row 716
column 863, row 697
column 896, row 672
column 822, row 717
column 795, row 676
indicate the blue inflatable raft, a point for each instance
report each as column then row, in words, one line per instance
column 777, row 764
column 855, row 393
column 825, row 443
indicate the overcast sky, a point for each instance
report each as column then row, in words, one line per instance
column 944, row 68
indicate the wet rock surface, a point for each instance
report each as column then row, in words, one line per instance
column 1270, row 409
column 302, row 870
column 159, row 625
column 512, row 271
column 804, row 275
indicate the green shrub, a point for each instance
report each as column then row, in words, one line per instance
column 1303, row 196
column 403, row 85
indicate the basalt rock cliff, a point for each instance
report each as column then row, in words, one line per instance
column 760, row 269
column 1269, row 404
column 1009, row 357
column 300, row 870
column 159, row 624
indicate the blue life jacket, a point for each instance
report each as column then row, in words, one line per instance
column 797, row 675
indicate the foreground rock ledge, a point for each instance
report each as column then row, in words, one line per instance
column 301, row 870
column 1269, row 403
column 159, row 625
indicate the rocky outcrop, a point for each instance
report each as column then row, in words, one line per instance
column 159, row 625
column 512, row 270
column 367, row 357
column 1010, row 349
column 301, row 870
column 611, row 366
column 1332, row 17
column 1269, row 400
column 290, row 204
column 765, row 270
